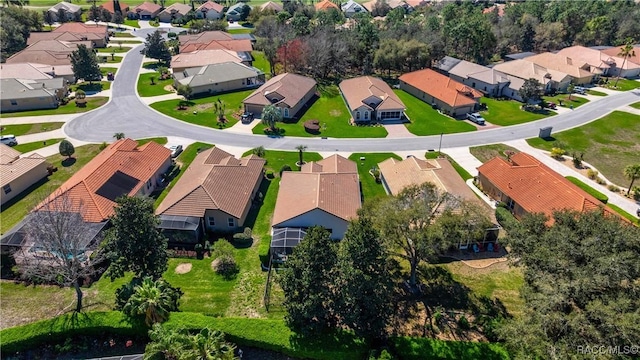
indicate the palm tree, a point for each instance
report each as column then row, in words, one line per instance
column 210, row 344
column 626, row 51
column 153, row 299
column 301, row 149
column 165, row 343
column 632, row 172
column 178, row 344
column 270, row 116
column 118, row 136
column 219, row 108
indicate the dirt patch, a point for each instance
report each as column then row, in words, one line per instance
column 335, row 113
column 183, row 268
column 202, row 107
column 169, row 88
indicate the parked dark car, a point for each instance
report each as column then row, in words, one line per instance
column 246, row 117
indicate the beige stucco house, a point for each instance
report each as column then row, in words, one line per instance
column 19, row 173
column 288, row 92
column 218, row 78
column 371, row 99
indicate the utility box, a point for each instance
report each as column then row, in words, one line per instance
column 545, row 132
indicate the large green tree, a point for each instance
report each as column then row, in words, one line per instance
column 134, row 243
column 531, row 91
column 180, row 344
column 582, row 279
column 84, row 63
column 156, row 47
column 307, row 283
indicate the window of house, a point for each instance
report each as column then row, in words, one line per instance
column 366, row 115
column 211, row 220
column 473, row 84
column 148, row 183
column 286, row 112
column 357, row 115
column 13, row 102
column 232, row 222
column 511, row 204
column 7, row 188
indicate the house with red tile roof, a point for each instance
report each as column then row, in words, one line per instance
column 97, row 40
column 145, row 11
column 601, row 62
column 453, row 98
column 528, row 186
column 326, row 5
column 240, row 45
column 122, row 169
column 214, row 194
column 114, row 5
column 634, row 58
column 371, row 99
column 210, row 10
column 80, row 28
column 323, row 193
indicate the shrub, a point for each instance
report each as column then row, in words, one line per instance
column 505, row 218
column 284, row 168
column 592, row 174
column 557, row 153
column 577, row 160
column 172, row 35
column 103, row 145
column 207, row 246
column 600, row 180
column 613, row 188
column 222, row 248
column 244, row 238
column 225, row 266
column 463, row 323
column 636, row 192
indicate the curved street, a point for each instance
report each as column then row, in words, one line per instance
column 126, row 113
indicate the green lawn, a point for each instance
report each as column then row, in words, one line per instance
column 114, row 49
column 370, row 188
column 623, row 84
column 146, row 89
column 464, row 174
column 70, row 108
column 159, row 140
column 635, row 105
column 26, row 129
column 277, row 159
column 564, row 99
column 91, row 88
column 624, row 214
column 240, row 31
column 596, row 93
column 204, row 108
column 588, row 189
column 151, row 65
column 18, row 207
column 609, row 143
column 108, row 60
column 334, row 117
column 105, row 70
column 134, row 23
column 260, row 62
column 27, row 147
column 508, row 112
column 488, row 152
column 123, row 35
column 427, row 121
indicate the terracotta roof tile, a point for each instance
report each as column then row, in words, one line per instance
column 210, row 5
column 204, row 57
column 81, row 28
column 326, row 5
column 615, row 51
column 204, row 37
column 596, row 58
column 122, row 160
column 270, row 5
column 357, row 90
column 110, row 6
column 233, row 45
column 147, row 6
column 215, row 180
column 441, row 87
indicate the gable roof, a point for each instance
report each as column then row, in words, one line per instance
column 574, row 68
column 29, row 89
column 204, row 57
column 68, row 7
column 270, row 5
column 326, row 5
column 50, row 52
column 232, row 45
column 614, row 51
column 216, row 73
column 215, row 180
column 110, row 6
column 81, row 28
column 526, row 69
column 331, row 185
column 122, row 168
column 29, row 71
column 292, row 87
column 147, row 6
column 68, row 36
column 180, row 8
column 469, row 70
column 441, row 87
column 490, row 9
column 535, row 187
column 394, row 4
column 235, row 8
column 447, row 63
column 210, row 5
column 204, row 37
column 357, row 90
column 352, row 6
column 12, row 166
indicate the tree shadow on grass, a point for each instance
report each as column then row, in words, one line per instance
column 68, row 162
column 345, row 341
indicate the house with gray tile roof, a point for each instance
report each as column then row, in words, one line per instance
column 235, row 11
column 218, row 78
column 487, row 80
column 21, row 95
column 71, row 11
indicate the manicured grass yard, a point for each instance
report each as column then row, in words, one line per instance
column 26, row 129
column 134, row 23
column 488, row 152
column 588, row 189
column 106, row 59
column 564, row 98
column 27, row 147
column 159, row 140
column 508, row 112
column 204, row 108
column 146, row 89
column 105, row 70
column 370, row 188
column 635, row 105
column 123, row 35
column 333, row 115
column 596, row 93
column 609, row 143
column 427, row 121
column 70, row 108
column 17, row 208
column 240, row 31
column 623, row 84
column 114, row 49
column 260, row 62
column 94, row 87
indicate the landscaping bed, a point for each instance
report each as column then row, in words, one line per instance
column 510, row 112
column 70, row 108
column 425, row 120
column 114, row 49
column 93, row 87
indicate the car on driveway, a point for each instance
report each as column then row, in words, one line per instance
column 246, row 118
column 175, row 150
column 476, row 118
column 9, row 140
column 579, row 90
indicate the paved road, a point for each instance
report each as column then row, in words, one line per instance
column 126, row 113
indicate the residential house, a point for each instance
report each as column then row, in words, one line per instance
column 453, row 98
column 578, row 71
column 218, row 78
column 96, row 40
column 288, row 92
column 615, row 51
column 204, row 37
column 351, row 8
column 19, row 173
column 240, row 46
column 518, row 56
column 324, row 193
column 49, row 52
column 200, row 58
column 71, row 11
column 122, row 169
column 447, row 63
column 33, row 71
column 489, row 81
column 217, row 191
column 210, row 10
column 512, row 90
column 22, row 95
column 528, row 186
column 601, row 63
column 80, row 28
column 498, row 8
column 235, row 11
column 414, row 4
column 326, row 5
column 551, row 80
column 145, row 11
column 271, row 6
column 393, row 4
column 173, row 12
column 371, row 99
column 113, row 6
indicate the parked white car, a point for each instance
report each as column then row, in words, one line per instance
column 579, row 90
column 9, row 140
column 476, row 118
column 175, row 150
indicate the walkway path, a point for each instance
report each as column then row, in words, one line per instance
column 398, row 131
column 152, row 99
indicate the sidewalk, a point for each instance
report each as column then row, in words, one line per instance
column 153, row 99
column 463, row 157
column 37, row 119
column 397, row 131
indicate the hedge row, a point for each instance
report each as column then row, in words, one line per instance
column 505, row 218
column 589, row 190
column 260, row 333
